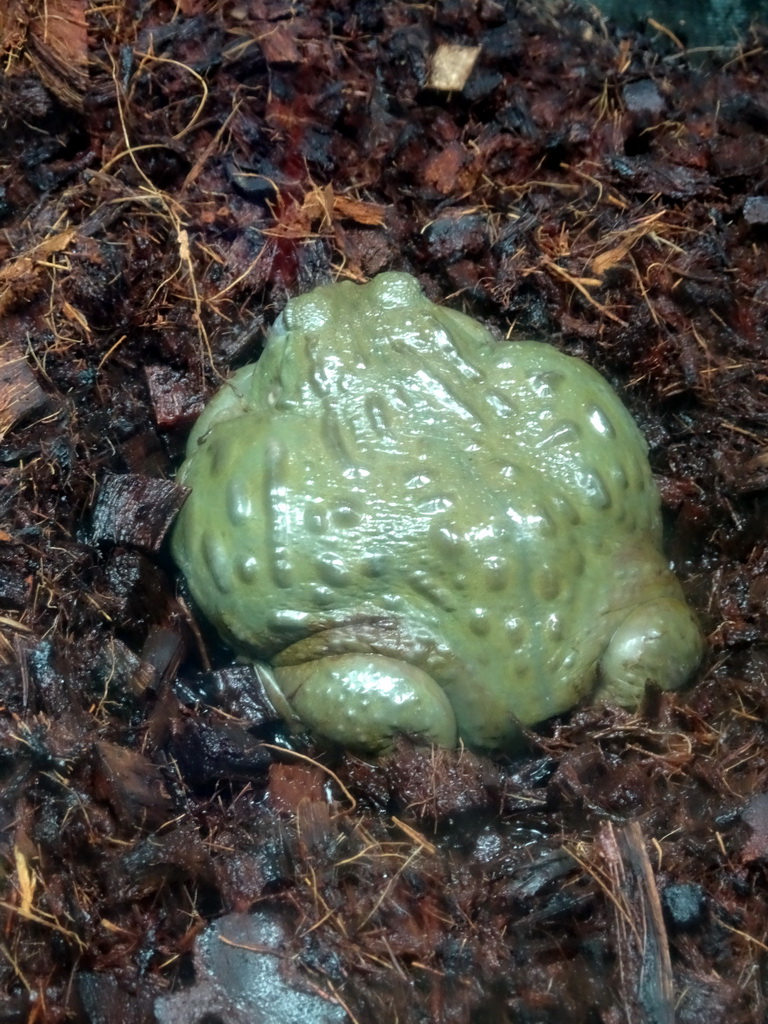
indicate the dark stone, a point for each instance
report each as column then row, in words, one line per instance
column 684, row 905
column 241, row 963
column 643, row 97
column 756, row 210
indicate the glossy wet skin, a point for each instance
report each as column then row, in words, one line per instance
column 417, row 529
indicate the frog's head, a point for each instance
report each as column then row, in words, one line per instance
column 346, row 307
column 332, row 334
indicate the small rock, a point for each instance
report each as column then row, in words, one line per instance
column 684, row 905
column 643, row 97
column 756, row 210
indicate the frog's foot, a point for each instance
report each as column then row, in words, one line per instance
column 363, row 701
column 659, row 643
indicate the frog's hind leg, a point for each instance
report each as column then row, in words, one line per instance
column 659, row 642
column 364, row 701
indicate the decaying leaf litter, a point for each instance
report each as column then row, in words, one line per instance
column 171, row 174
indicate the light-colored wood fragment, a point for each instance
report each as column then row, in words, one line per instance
column 451, row 67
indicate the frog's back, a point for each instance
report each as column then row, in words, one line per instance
column 379, row 368
column 571, row 427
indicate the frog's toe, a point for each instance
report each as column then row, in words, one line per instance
column 364, row 701
column 659, row 643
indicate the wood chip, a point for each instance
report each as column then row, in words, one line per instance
column 644, row 962
column 133, row 509
column 20, row 394
column 132, row 784
column 451, row 67
column 175, row 400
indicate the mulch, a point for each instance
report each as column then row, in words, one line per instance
column 170, row 174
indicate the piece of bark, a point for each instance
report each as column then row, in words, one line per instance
column 175, row 400
column 52, row 36
column 162, row 654
column 139, row 510
column 206, row 750
column 755, row 813
column 133, row 786
column 645, row 968
column 20, row 394
column 241, row 692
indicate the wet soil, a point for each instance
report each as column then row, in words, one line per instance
column 171, row 173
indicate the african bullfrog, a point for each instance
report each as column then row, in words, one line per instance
column 415, row 528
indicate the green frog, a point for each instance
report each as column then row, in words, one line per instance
column 414, row 528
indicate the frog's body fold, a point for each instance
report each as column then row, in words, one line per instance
column 390, row 482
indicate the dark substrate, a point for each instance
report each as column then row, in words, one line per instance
column 171, row 173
